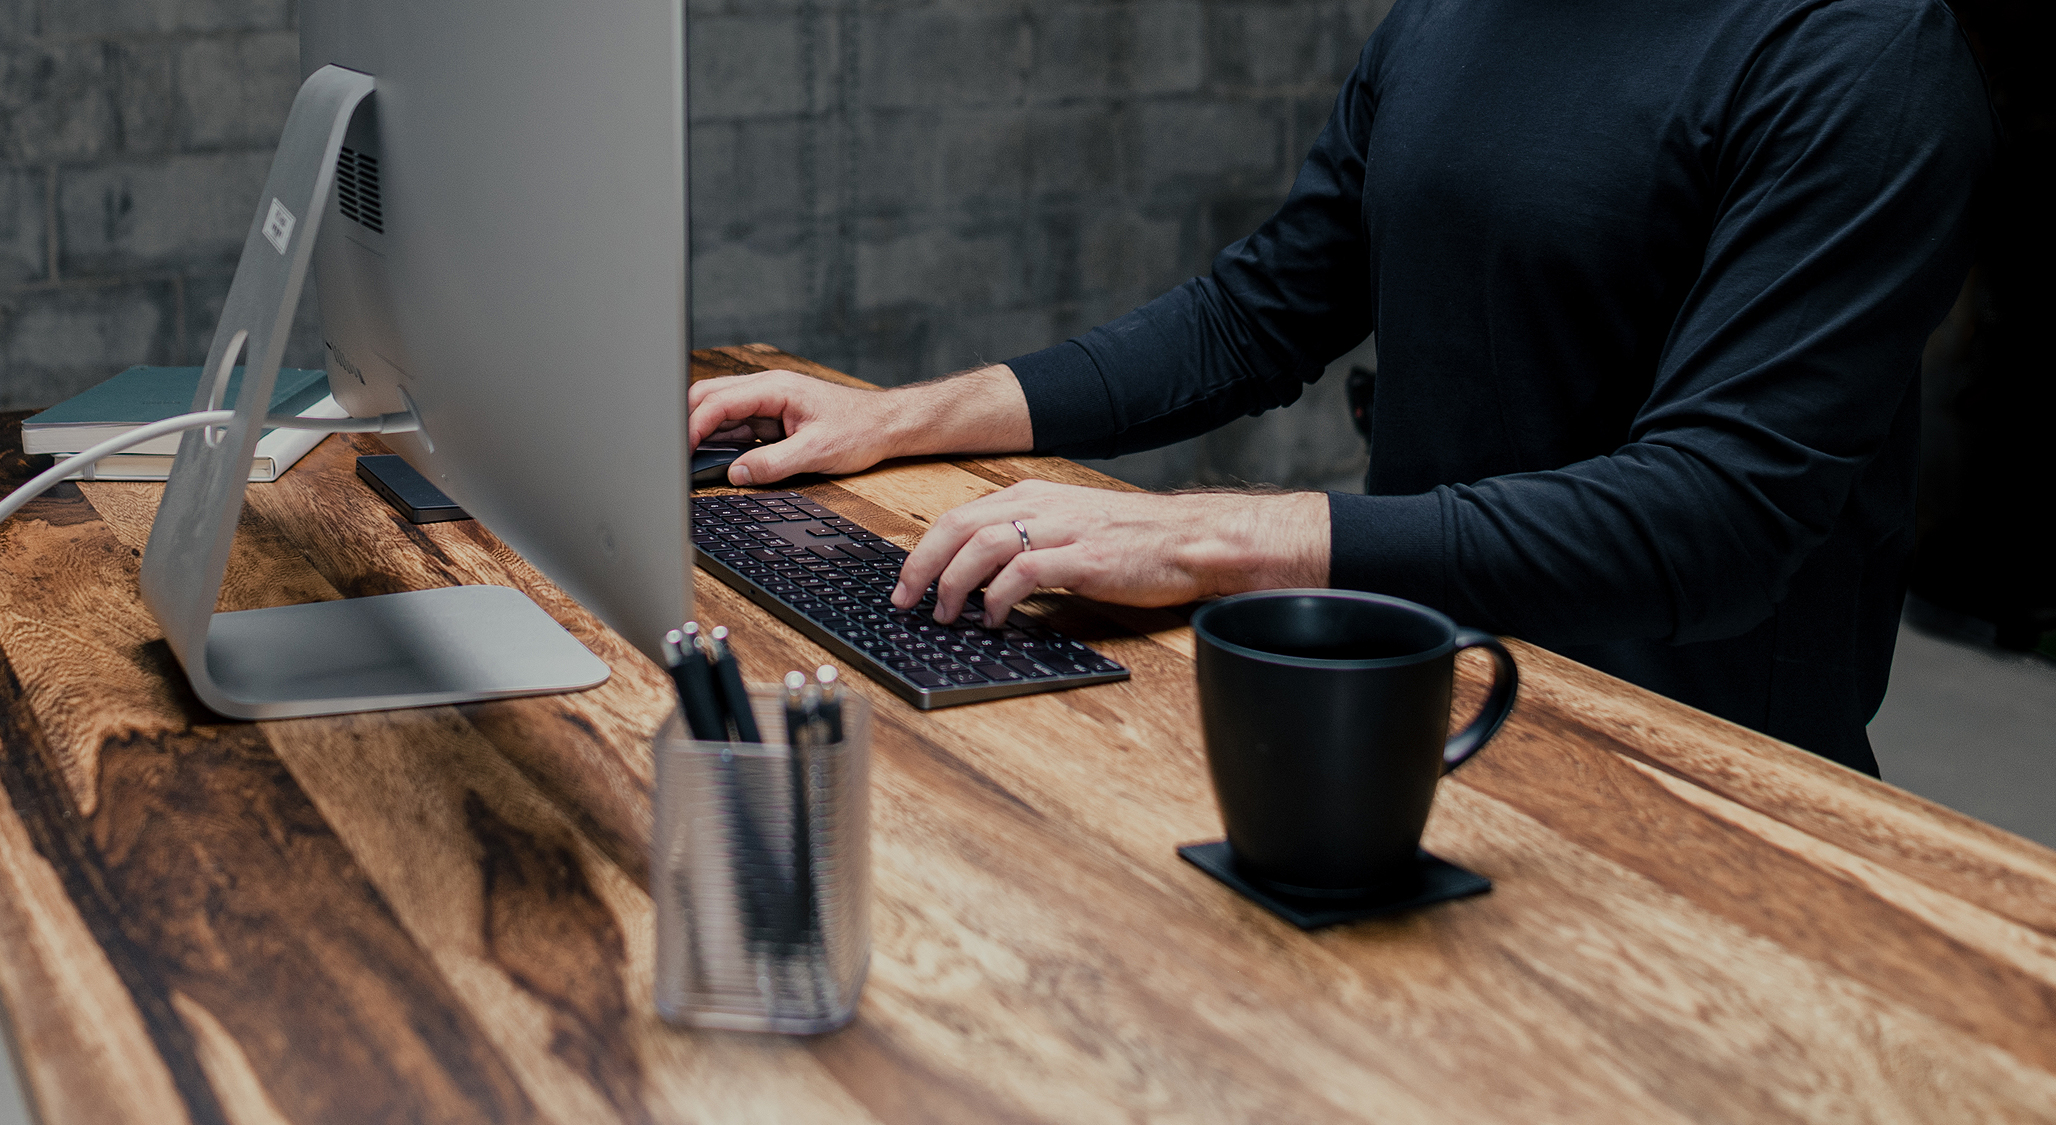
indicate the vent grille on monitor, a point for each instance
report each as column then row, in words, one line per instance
column 357, row 189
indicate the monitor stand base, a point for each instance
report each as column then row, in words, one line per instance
column 413, row 649
column 420, row 648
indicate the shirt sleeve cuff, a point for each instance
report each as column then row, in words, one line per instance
column 1395, row 545
column 1069, row 408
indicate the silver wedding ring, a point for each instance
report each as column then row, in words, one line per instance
column 1023, row 533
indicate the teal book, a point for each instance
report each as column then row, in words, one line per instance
column 142, row 395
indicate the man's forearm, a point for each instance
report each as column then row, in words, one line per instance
column 978, row 411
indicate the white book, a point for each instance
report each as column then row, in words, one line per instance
column 277, row 451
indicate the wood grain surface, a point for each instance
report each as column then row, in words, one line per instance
column 439, row 915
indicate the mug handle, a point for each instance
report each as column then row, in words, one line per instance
column 1498, row 703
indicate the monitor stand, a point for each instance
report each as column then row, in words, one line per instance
column 413, row 649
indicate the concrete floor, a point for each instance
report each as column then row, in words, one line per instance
column 1961, row 726
column 1973, row 729
column 13, row 1108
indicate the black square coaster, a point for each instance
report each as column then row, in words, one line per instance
column 1438, row 881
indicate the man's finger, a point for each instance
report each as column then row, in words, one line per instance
column 741, row 431
column 978, row 559
column 730, row 406
column 698, row 391
column 935, row 550
column 701, row 388
column 776, row 461
column 1027, row 572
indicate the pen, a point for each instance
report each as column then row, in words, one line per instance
column 701, row 696
column 728, row 679
column 795, row 709
column 831, row 704
column 800, row 735
column 806, row 735
column 695, row 684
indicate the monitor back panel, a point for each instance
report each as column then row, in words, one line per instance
column 505, row 254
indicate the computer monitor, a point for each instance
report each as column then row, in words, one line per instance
column 492, row 200
column 505, row 254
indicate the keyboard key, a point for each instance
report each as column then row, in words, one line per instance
column 966, row 676
column 928, row 679
column 1029, row 669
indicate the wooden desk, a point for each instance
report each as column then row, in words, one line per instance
column 439, row 915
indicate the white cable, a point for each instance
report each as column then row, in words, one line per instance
column 41, row 482
column 383, row 424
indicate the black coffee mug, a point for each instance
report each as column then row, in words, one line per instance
column 1326, row 715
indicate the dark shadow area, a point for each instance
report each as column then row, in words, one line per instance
column 1988, row 479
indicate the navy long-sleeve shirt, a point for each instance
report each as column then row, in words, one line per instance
column 1650, row 281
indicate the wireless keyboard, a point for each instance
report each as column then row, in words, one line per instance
column 832, row 579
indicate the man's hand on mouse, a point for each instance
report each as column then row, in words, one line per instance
column 814, row 426
column 1134, row 548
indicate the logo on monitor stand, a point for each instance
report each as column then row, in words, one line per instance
column 278, row 226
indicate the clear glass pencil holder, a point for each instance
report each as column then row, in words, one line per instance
column 761, row 873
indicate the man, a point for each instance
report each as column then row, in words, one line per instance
column 1650, row 280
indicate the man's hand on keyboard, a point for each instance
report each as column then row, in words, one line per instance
column 1134, row 548
column 820, row 427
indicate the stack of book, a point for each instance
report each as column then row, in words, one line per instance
column 142, row 395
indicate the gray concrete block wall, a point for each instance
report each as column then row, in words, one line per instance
column 134, row 137
column 948, row 182
column 898, row 188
